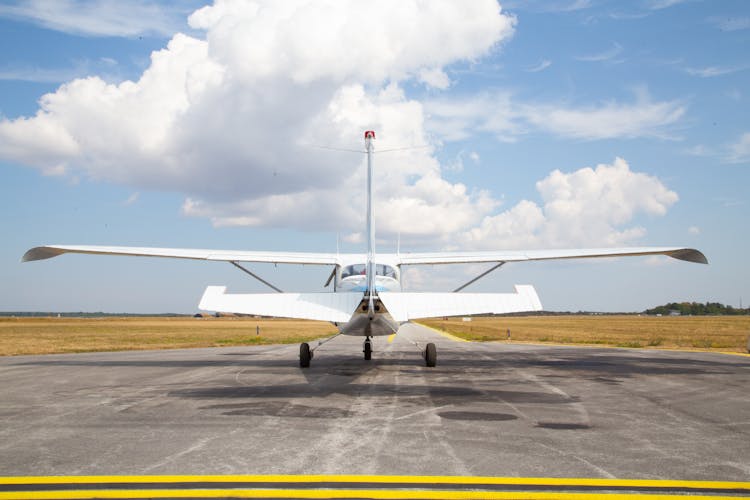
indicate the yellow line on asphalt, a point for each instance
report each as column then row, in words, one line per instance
column 444, row 334
column 391, row 337
column 327, row 493
column 325, row 478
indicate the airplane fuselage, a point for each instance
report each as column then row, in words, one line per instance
column 371, row 318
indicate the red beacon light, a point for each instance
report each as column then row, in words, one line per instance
column 369, row 134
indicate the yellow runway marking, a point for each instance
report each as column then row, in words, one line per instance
column 356, row 478
column 375, row 494
column 360, row 486
column 391, row 337
column 444, row 334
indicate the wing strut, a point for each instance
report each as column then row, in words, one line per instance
column 488, row 271
column 330, row 278
column 235, row 264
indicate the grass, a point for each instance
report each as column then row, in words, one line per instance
column 62, row 335
column 721, row 333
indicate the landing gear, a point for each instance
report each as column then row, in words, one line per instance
column 367, row 349
column 305, row 355
column 430, row 355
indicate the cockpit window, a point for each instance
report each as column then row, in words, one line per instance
column 359, row 270
column 353, row 270
column 383, row 270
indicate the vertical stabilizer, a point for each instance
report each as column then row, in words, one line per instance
column 369, row 138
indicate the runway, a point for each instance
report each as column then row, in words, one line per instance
column 487, row 409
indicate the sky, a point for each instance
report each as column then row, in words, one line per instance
column 235, row 125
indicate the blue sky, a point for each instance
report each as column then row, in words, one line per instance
column 548, row 124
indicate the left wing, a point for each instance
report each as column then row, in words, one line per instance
column 49, row 251
column 688, row 254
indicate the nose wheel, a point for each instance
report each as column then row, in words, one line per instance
column 367, row 349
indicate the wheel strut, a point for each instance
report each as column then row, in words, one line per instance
column 367, row 349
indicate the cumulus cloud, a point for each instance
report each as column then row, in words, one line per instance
column 230, row 119
column 588, row 207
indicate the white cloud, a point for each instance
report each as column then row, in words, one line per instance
column 712, row 71
column 663, row 4
column 435, row 77
column 588, row 207
column 229, row 119
column 456, row 119
column 132, row 199
column 546, row 63
column 643, row 118
column 694, row 230
column 101, row 17
column 503, row 115
column 739, row 152
column 607, row 55
column 699, row 150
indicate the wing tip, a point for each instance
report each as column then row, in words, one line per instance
column 689, row 255
column 41, row 253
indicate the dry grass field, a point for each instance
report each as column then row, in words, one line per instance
column 719, row 333
column 61, row 335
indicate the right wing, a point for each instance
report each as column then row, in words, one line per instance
column 49, row 251
column 688, row 254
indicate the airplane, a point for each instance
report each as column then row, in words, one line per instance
column 367, row 299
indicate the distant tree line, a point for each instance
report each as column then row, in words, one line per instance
column 696, row 309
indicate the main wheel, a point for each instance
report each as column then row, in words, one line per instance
column 430, row 355
column 368, row 350
column 304, row 355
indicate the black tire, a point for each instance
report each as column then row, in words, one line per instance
column 304, row 355
column 430, row 355
column 368, row 351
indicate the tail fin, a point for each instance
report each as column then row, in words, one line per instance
column 370, row 271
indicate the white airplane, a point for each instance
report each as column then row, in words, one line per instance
column 367, row 299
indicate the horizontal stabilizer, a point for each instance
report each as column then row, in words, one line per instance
column 407, row 306
column 334, row 307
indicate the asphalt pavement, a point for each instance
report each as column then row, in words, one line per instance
column 487, row 409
